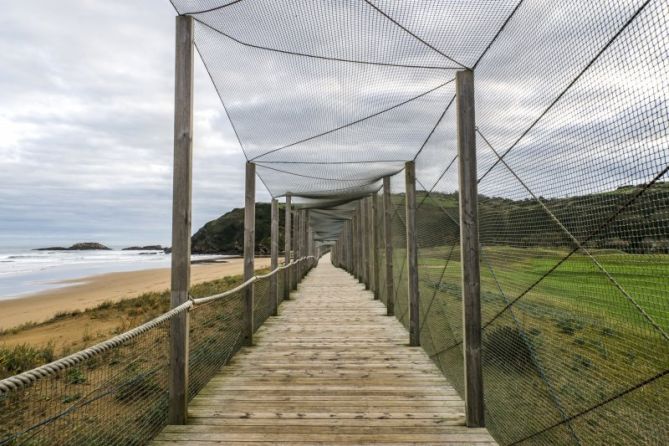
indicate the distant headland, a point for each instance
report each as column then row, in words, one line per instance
column 83, row 246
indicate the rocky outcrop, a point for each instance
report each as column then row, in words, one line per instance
column 82, row 246
column 144, row 248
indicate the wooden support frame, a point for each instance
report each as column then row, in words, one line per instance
column 296, row 244
column 249, row 249
column 287, row 214
column 349, row 245
column 376, row 242
column 274, row 256
column 364, row 240
column 354, row 245
column 469, row 248
column 360, row 242
column 181, row 218
column 388, row 245
column 412, row 254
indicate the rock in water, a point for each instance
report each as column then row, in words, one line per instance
column 88, row 246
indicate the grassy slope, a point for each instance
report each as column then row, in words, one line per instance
column 108, row 319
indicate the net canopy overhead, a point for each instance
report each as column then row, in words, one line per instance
column 328, row 97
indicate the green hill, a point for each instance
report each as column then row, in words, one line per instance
column 225, row 235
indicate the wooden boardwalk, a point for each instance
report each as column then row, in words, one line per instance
column 331, row 369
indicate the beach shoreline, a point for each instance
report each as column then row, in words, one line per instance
column 88, row 292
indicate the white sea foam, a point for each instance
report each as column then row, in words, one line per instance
column 23, row 271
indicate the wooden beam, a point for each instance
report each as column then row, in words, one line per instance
column 412, row 254
column 469, row 248
column 388, row 244
column 360, row 241
column 296, row 245
column 249, row 249
column 274, row 254
column 376, row 242
column 354, row 245
column 181, row 218
column 364, row 240
column 287, row 247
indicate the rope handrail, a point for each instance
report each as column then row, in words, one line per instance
column 25, row 379
column 203, row 300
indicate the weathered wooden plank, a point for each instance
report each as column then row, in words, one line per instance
column 181, row 217
column 288, row 277
column 469, row 248
column 249, row 249
column 412, row 254
column 331, row 369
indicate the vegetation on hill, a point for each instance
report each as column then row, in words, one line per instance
column 225, row 235
column 636, row 226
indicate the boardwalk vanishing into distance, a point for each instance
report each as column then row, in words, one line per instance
column 476, row 195
column 332, row 368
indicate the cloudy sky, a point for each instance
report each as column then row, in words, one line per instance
column 86, row 91
column 86, row 103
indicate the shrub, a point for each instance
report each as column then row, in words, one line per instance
column 75, row 376
column 508, row 348
column 21, row 358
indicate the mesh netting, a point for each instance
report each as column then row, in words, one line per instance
column 117, row 394
column 328, row 98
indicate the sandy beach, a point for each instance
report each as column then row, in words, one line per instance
column 91, row 291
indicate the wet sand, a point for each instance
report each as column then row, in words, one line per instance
column 88, row 292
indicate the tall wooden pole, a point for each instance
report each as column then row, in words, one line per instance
column 296, row 246
column 364, row 203
column 388, row 244
column 360, row 241
column 354, row 245
column 274, row 254
column 181, row 218
column 249, row 249
column 305, row 239
column 412, row 254
column 287, row 247
column 469, row 248
column 349, row 246
column 376, row 236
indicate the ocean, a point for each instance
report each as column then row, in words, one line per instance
column 24, row 271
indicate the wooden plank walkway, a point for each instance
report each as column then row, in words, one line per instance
column 330, row 369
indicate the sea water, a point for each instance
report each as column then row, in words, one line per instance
column 24, row 271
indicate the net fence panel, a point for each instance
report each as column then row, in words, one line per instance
column 572, row 110
column 215, row 335
column 117, row 397
column 398, row 223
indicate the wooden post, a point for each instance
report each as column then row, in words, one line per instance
column 274, row 254
column 364, row 207
column 287, row 247
column 249, row 249
column 360, row 242
column 354, row 245
column 412, row 254
column 305, row 234
column 305, row 239
column 349, row 246
column 388, row 243
column 469, row 249
column 181, row 219
column 375, row 246
column 296, row 243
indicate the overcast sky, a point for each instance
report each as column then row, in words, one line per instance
column 86, row 104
